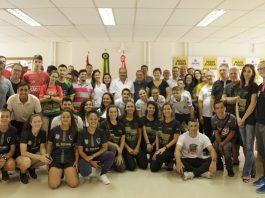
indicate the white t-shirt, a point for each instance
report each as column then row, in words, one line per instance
column 117, row 86
column 99, row 90
column 193, row 147
column 182, row 106
column 120, row 104
column 160, row 101
column 172, row 83
column 141, row 106
column 205, row 97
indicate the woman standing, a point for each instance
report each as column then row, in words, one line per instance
column 116, row 136
column 8, row 137
column 98, row 86
column 133, row 138
column 61, row 149
column 93, row 149
column 246, row 103
column 32, row 148
column 107, row 80
column 189, row 83
column 151, row 126
column 166, row 140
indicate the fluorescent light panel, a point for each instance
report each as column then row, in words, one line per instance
column 212, row 16
column 107, row 16
column 22, row 16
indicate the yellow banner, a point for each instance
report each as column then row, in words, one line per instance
column 210, row 63
column 239, row 62
column 180, row 61
column 262, row 59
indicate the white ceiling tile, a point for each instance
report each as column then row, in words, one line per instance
column 241, row 4
column 124, row 16
column 4, row 23
column 115, row 4
column 227, row 18
column 47, row 16
column 250, row 20
column 6, row 4
column 38, row 31
column 173, row 32
column 124, row 31
column 9, row 18
column 211, row 40
column 146, row 32
column 82, row 16
column 32, row 3
column 13, row 31
column 92, row 31
column 157, row 3
column 191, row 16
column 200, row 32
column 152, row 16
column 73, row 3
column 199, row 3
column 227, row 32
column 64, row 31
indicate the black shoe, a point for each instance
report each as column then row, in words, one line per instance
column 24, row 178
column 32, row 173
column 230, row 172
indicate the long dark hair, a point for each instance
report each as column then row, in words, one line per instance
column 135, row 114
column 82, row 111
column 242, row 79
column 156, row 109
column 189, row 87
column 27, row 126
column 107, row 117
column 102, row 106
column 93, row 80
column 107, row 85
column 73, row 126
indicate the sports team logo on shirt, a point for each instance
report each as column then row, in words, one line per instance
column 8, row 139
column 70, row 137
column 86, row 141
column 98, row 140
column 57, row 136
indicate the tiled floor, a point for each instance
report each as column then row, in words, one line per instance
column 136, row 184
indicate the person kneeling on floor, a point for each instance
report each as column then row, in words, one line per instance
column 189, row 153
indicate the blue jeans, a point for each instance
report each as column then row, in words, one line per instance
column 248, row 137
column 260, row 138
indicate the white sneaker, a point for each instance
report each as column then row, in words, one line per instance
column 104, row 179
column 207, row 175
column 188, row 175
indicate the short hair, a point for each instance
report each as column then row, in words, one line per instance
column 51, row 68
column 154, row 87
column 17, row 64
column 125, row 89
column 157, row 69
column 22, row 84
column 75, row 73
column 62, row 65
column 81, row 71
column 176, row 88
column 144, row 66
column 92, row 112
column 3, row 57
column 180, row 79
column 5, row 109
column 193, row 120
column 67, row 99
column 218, row 102
column 37, row 57
column 2, row 63
column 224, row 65
column 139, row 71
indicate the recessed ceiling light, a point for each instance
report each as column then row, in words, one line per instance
column 107, row 16
column 211, row 17
column 22, row 16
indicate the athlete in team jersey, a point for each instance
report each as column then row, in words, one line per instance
column 36, row 78
column 115, row 132
column 32, row 148
column 93, row 149
column 151, row 126
column 166, row 140
column 62, row 152
column 8, row 140
column 133, row 138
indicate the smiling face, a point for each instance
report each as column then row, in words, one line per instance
column 167, row 111
column 106, row 100
column 150, row 110
column 16, row 72
column 66, row 118
column 23, row 92
column 247, row 73
column 36, row 122
column 143, row 95
column 88, row 106
column 97, row 76
column 130, row 107
column 54, row 77
column 113, row 113
column 5, row 118
column 106, row 79
column 92, row 120
column 62, row 71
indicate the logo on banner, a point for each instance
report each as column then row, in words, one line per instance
column 239, row 62
column 180, row 60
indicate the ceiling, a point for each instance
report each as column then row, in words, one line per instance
column 137, row 20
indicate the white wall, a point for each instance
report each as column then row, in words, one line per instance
column 155, row 54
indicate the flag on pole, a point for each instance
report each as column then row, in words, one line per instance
column 87, row 59
column 105, row 63
column 123, row 61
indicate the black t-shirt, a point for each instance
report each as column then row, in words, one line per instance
column 113, row 132
column 152, row 128
column 63, row 144
column 167, row 131
column 162, row 87
column 245, row 99
column 260, row 110
column 33, row 142
column 218, row 89
column 131, row 129
column 231, row 90
column 91, row 143
column 7, row 139
column 15, row 86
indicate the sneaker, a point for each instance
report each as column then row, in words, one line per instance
column 230, row 173
column 188, row 175
column 207, row 175
column 5, row 175
column 260, row 182
column 104, row 179
column 261, row 190
column 24, row 178
column 32, row 173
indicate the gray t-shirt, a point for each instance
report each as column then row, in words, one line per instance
column 6, row 90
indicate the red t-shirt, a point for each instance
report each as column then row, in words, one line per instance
column 51, row 91
column 6, row 73
column 35, row 81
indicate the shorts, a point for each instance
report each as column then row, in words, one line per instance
column 69, row 162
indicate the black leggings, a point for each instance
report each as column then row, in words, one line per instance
column 165, row 157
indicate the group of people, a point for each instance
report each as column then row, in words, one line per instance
column 76, row 123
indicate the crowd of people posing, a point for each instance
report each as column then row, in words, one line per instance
column 76, row 123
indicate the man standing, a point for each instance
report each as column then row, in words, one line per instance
column 223, row 126
column 166, row 75
column 147, row 78
column 6, row 89
column 89, row 69
column 6, row 73
column 36, row 78
column 138, row 84
column 120, row 83
column 22, row 105
column 189, row 153
column 173, row 82
column 15, row 77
